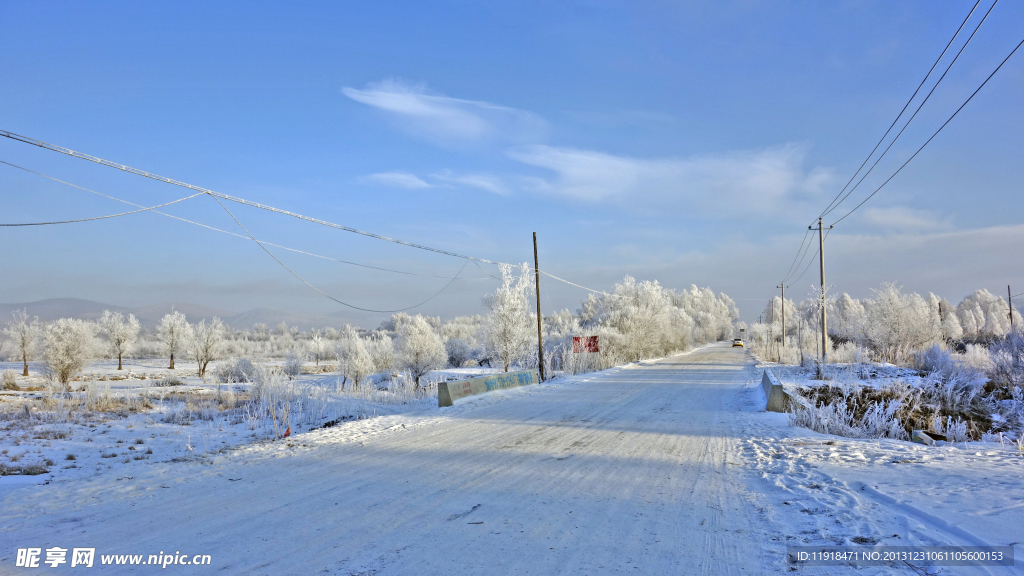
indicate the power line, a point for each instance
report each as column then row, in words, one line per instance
column 103, row 217
column 220, row 196
column 143, row 173
column 800, row 257
column 797, row 256
column 303, row 280
column 912, row 96
column 574, row 284
column 297, row 251
column 935, row 134
column 914, row 115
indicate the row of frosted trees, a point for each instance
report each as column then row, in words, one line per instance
column 890, row 327
column 637, row 320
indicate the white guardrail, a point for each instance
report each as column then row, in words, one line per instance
column 449, row 392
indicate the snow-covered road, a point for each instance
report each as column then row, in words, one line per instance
column 663, row 467
column 624, row 471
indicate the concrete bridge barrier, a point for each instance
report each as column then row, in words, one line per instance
column 778, row 400
column 449, row 392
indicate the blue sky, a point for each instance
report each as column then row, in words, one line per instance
column 683, row 142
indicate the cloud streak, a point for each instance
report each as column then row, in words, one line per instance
column 765, row 180
column 445, row 120
column 397, row 180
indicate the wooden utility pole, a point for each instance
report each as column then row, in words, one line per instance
column 824, row 315
column 1009, row 298
column 783, row 286
column 540, row 337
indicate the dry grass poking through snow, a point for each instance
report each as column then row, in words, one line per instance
column 952, row 399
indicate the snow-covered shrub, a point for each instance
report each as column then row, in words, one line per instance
column 382, row 352
column 10, row 380
column 68, row 345
column 293, row 364
column 1008, row 359
column 237, row 370
column 845, row 353
column 977, row 356
column 458, row 352
column 354, row 362
column 420, row 349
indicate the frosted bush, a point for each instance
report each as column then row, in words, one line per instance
column 10, row 380
column 845, row 353
column 1008, row 359
column 237, row 370
column 68, row 345
column 458, row 352
column 977, row 356
column 293, row 364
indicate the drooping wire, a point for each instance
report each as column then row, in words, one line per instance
column 950, row 119
column 914, row 115
column 904, row 109
column 797, row 255
column 297, row 251
column 104, row 217
column 328, row 296
column 143, row 173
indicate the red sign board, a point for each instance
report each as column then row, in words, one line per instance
column 584, row 344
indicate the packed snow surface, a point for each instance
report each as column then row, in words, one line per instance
column 661, row 467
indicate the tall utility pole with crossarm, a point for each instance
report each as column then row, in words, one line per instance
column 821, row 262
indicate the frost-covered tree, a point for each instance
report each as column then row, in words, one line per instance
column 984, row 315
column 319, row 347
column 24, row 333
column 68, row 346
column 120, row 333
column 949, row 323
column 900, row 323
column 354, row 361
column 205, row 342
column 382, row 352
column 420, row 349
column 507, row 329
column 174, row 332
column 458, row 352
column 640, row 313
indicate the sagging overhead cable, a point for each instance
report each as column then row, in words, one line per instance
column 905, row 106
column 103, row 217
column 321, row 292
column 208, row 227
column 143, row 173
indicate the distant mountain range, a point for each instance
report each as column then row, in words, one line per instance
column 149, row 316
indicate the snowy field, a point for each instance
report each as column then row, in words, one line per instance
column 660, row 467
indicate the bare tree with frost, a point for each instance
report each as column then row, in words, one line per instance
column 420, row 349
column 24, row 333
column 205, row 342
column 120, row 332
column 507, row 330
column 68, row 345
column 174, row 334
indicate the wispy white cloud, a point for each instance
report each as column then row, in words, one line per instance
column 903, row 219
column 766, row 181
column 397, row 180
column 481, row 181
column 449, row 120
